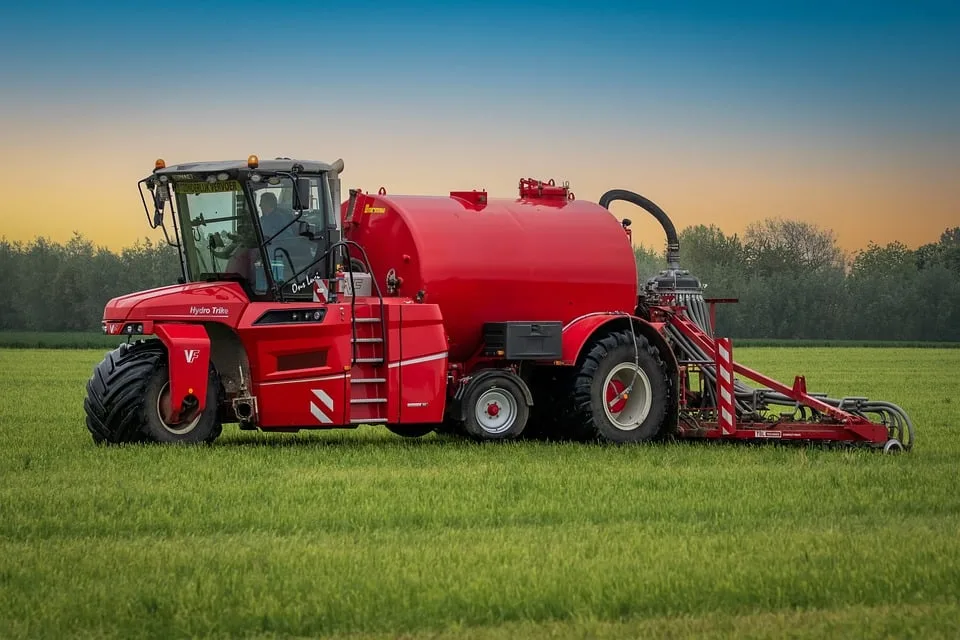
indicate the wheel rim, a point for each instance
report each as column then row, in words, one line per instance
column 627, row 413
column 495, row 411
column 893, row 446
column 164, row 407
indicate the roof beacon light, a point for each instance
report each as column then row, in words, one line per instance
column 253, row 162
column 159, row 164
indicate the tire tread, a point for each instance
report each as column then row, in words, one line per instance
column 115, row 392
column 582, row 425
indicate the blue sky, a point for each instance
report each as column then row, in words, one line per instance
column 871, row 89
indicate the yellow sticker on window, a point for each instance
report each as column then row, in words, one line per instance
column 207, row 187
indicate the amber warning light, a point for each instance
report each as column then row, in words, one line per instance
column 159, row 164
column 253, row 162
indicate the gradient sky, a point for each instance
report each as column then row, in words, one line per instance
column 843, row 114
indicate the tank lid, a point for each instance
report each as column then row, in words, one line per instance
column 533, row 188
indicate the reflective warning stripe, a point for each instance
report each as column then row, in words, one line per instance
column 727, row 416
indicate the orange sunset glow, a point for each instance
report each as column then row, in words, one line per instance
column 860, row 201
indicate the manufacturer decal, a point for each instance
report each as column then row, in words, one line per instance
column 767, row 434
column 209, row 311
column 317, row 412
column 191, row 355
column 374, row 210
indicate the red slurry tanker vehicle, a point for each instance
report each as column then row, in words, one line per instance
column 492, row 318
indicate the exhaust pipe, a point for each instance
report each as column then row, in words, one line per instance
column 245, row 408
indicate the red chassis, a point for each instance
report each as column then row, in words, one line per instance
column 301, row 362
column 315, row 366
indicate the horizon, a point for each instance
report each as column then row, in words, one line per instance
column 842, row 117
column 659, row 249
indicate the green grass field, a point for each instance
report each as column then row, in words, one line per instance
column 365, row 534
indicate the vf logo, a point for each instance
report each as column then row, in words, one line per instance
column 327, row 401
column 191, row 355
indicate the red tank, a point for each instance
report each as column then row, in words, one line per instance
column 543, row 256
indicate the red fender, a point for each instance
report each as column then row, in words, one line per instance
column 578, row 331
column 188, row 357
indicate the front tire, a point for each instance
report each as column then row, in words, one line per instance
column 127, row 390
column 613, row 399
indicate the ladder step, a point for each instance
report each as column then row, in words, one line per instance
column 368, row 421
column 367, row 400
column 368, row 340
column 369, row 360
column 367, row 320
column 366, row 380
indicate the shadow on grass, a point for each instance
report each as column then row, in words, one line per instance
column 380, row 438
column 367, row 438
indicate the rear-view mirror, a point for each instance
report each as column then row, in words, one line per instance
column 301, row 195
column 308, row 230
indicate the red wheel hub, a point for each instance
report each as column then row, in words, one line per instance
column 614, row 389
column 493, row 409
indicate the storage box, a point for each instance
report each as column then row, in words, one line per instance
column 524, row 340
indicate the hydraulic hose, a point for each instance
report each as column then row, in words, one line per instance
column 673, row 242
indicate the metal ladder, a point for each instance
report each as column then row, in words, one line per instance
column 368, row 372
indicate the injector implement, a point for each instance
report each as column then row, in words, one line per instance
column 493, row 318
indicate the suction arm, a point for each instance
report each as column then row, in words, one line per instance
column 673, row 242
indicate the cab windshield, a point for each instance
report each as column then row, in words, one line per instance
column 220, row 240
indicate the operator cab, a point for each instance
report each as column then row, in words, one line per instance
column 267, row 225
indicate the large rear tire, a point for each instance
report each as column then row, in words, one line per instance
column 601, row 409
column 126, row 392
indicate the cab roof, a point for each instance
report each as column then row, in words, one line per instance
column 277, row 164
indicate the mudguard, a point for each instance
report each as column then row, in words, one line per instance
column 578, row 332
column 188, row 359
column 456, row 408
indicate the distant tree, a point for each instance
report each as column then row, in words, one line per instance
column 649, row 263
column 703, row 246
column 718, row 260
column 946, row 252
column 893, row 259
column 775, row 245
column 11, row 311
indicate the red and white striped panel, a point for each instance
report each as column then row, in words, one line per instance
column 725, row 386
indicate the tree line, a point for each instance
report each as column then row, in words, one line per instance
column 793, row 281
column 791, row 278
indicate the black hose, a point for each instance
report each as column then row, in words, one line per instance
column 673, row 242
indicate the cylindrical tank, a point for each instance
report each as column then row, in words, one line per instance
column 489, row 260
